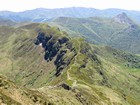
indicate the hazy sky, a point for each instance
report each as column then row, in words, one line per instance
column 21, row 5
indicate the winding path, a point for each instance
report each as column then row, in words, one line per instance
column 75, row 59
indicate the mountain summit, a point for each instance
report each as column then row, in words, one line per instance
column 123, row 18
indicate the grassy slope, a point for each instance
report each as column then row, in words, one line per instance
column 17, row 95
column 107, row 79
column 24, row 58
column 96, row 74
column 102, row 31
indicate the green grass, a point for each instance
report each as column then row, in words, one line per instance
column 102, row 31
column 96, row 74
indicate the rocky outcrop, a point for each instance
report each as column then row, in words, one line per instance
column 56, row 48
column 123, row 18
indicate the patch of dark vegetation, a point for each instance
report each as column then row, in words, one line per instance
column 85, row 63
column 50, row 103
column 59, row 62
column 95, row 58
column 132, row 61
column 81, row 99
column 100, row 73
column 104, row 81
column 63, row 40
column 69, row 45
column 138, row 80
column 82, row 66
column 65, row 86
column 62, row 61
column 84, row 48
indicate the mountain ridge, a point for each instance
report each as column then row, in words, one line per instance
column 117, row 32
column 67, row 70
column 38, row 14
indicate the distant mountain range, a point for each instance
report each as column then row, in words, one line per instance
column 112, row 27
column 42, row 14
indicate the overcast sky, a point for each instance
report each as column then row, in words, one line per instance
column 21, row 5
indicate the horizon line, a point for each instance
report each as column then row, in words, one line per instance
column 67, row 8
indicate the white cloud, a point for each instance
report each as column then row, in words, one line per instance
column 20, row 5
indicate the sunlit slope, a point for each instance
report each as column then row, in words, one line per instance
column 11, row 94
column 23, row 60
column 67, row 70
column 119, row 32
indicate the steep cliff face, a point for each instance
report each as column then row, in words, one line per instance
column 57, row 48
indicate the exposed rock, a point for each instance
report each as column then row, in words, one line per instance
column 53, row 49
column 123, row 18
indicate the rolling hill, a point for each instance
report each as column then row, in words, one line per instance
column 6, row 22
column 46, row 66
column 118, row 32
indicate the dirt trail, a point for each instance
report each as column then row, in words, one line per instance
column 75, row 59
